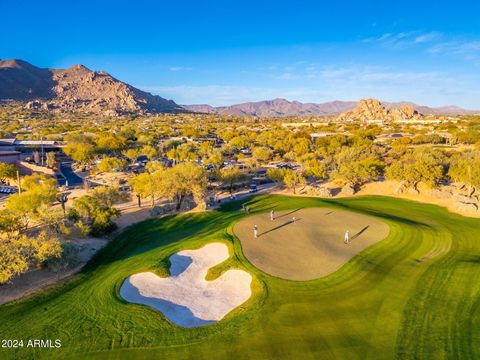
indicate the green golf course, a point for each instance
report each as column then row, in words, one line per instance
column 413, row 295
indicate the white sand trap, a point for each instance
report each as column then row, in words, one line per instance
column 185, row 297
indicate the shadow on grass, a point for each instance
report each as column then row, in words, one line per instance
column 176, row 313
column 147, row 235
column 179, row 263
column 280, row 226
column 288, row 213
column 359, row 233
column 379, row 214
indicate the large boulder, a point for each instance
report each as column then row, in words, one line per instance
column 413, row 191
column 462, row 198
column 348, row 190
column 470, row 208
column 373, row 109
column 324, row 192
column 440, row 193
column 400, row 188
column 159, row 210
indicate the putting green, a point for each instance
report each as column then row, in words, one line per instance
column 413, row 295
column 310, row 247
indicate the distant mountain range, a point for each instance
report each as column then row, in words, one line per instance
column 75, row 89
column 282, row 107
column 276, row 107
column 81, row 89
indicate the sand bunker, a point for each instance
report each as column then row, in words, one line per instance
column 312, row 246
column 185, row 297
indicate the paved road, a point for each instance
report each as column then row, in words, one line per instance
column 243, row 194
column 72, row 178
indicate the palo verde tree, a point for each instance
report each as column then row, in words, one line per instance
column 421, row 165
column 108, row 164
column 93, row 213
column 147, row 185
column 290, row 178
column 465, row 168
column 182, row 181
column 7, row 172
column 80, row 148
column 39, row 191
column 231, row 176
column 19, row 251
column 356, row 165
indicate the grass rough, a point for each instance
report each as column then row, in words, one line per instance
column 414, row 295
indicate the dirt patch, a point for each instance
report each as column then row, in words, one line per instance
column 36, row 280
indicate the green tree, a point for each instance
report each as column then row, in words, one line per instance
column 465, row 168
column 239, row 142
column 110, row 142
column 187, row 152
column 215, row 158
column 421, row 165
column 356, row 165
column 148, row 185
column 7, row 172
column 314, row 167
column 131, row 154
column 109, row 164
column 292, row 179
column 149, row 151
column 262, row 154
column 40, row 190
column 92, row 215
column 80, row 148
column 154, row 166
column 107, row 196
column 230, row 177
column 205, row 148
column 184, row 180
column 19, row 251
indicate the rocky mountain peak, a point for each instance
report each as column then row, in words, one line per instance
column 75, row 89
column 373, row 109
column 79, row 67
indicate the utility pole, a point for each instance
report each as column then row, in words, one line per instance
column 41, row 144
column 469, row 180
column 19, row 183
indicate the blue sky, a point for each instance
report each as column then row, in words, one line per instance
column 224, row 52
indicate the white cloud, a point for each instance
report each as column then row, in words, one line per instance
column 314, row 82
column 433, row 42
column 179, row 68
column 356, row 73
column 399, row 77
column 427, row 38
column 455, row 47
column 404, row 39
column 286, row 76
